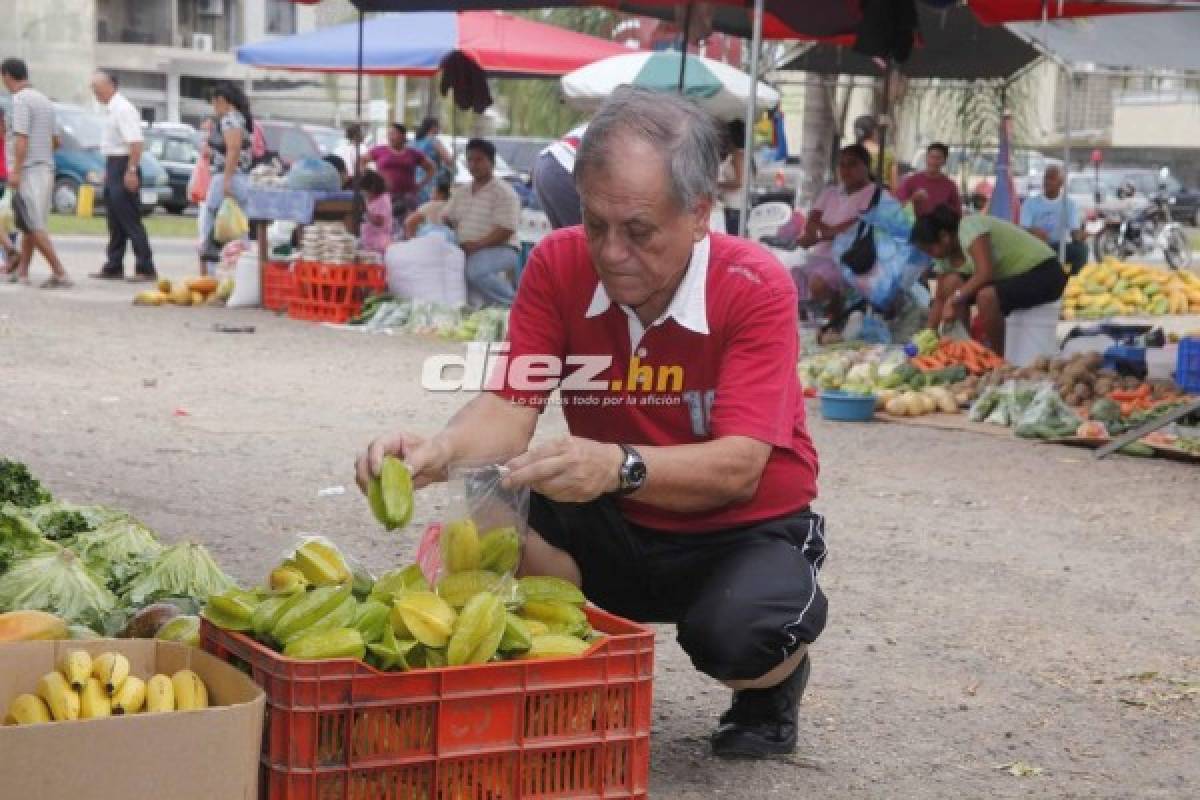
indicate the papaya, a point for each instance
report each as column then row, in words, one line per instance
column 28, row 626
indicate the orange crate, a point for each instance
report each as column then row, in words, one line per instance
column 333, row 292
column 515, row 730
column 279, row 286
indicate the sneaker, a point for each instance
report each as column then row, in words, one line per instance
column 762, row 722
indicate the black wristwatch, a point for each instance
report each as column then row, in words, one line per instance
column 632, row 475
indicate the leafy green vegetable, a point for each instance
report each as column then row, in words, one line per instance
column 19, row 536
column 58, row 583
column 183, row 570
column 117, row 550
column 62, row 520
column 19, row 487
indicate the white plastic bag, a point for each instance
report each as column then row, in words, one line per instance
column 427, row 268
column 7, row 223
column 247, row 283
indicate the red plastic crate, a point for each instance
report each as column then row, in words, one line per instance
column 333, row 292
column 279, row 285
column 516, row 730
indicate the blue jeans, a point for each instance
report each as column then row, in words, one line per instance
column 485, row 274
column 216, row 193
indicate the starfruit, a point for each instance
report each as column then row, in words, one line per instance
column 231, row 610
column 558, row 616
column 342, row 616
column 536, row 627
column 286, row 579
column 331, row 643
column 396, row 486
column 428, row 617
column 478, row 631
column 308, row 609
column 516, row 638
column 433, row 657
column 372, row 618
column 362, row 583
column 266, row 612
column 459, row 587
column 390, row 652
column 322, row 563
column 500, row 550
column 409, row 579
column 546, row 587
column 398, row 626
column 460, row 546
column 555, row 645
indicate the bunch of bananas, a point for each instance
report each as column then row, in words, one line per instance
column 315, row 608
column 90, row 688
column 1115, row 289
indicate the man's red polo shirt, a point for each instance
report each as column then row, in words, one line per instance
column 720, row 362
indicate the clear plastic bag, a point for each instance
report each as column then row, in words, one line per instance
column 1004, row 405
column 478, row 547
column 230, row 222
column 1048, row 416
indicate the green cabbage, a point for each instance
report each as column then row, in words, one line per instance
column 58, row 583
column 183, row 570
column 118, row 550
column 19, row 536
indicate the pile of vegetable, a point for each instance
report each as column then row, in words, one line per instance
column 432, row 319
column 977, row 359
column 198, row 291
column 917, row 403
column 94, row 567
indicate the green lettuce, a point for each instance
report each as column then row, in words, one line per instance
column 118, row 550
column 59, row 583
column 183, row 570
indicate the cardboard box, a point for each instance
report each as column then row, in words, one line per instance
column 210, row 754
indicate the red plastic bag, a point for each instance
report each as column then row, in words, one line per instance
column 199, row 182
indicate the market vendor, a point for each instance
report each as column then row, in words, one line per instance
column 682, row 492
column 988, row 263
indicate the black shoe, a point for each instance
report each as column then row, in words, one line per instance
column 107, row 275
column 762, row 722
column 142, row 277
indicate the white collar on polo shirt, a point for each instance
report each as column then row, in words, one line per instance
column 688, row 306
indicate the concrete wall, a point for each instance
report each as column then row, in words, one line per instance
column 1156, row 125
column 57, row 39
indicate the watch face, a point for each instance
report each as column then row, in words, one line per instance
column 637, row 473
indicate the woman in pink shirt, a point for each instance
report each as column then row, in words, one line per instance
column 376, row 231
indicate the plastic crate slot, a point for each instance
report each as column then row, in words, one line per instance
column 617, row 766
column 404, row 731
column 557, row 773
column 331, row 739
column 409, row 783
column 619, row 711
column 480, row 778
column 331, row 786
column 561, row 714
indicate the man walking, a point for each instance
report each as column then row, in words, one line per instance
column 122, row 147
column 30, row 151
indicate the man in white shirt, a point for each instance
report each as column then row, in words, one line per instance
column 485, row 215
column 122, row 147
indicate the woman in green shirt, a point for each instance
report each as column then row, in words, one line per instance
column 985, row 261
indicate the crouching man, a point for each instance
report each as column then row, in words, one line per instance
column 681, row 494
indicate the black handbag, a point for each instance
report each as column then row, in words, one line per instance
column 860, row 256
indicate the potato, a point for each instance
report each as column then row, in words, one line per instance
column 897, row 406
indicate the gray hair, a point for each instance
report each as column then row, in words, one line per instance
column 687, row 137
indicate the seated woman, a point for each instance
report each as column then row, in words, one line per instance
column 984, row 261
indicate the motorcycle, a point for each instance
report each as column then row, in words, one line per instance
column 1143, row 230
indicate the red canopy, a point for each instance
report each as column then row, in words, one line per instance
column 514, row 45
column 997, row 12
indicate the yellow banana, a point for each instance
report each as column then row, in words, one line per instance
column 26, row 709
column 62, row 700
column 111, row 669
column 130, row 698
column 76, row 667
column 93, row 701
column 160, row 694
column 190, row 692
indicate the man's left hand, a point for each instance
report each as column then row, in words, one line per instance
column 131, row 180
column 570, row 469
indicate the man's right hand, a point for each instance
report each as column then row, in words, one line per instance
column 427, row 459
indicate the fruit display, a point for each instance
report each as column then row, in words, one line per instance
column 1113, row 288
column 92, row 570
column 198, row 291
column 472, row 615
column 84, row 687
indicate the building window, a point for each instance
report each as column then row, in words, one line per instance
column 281, row 17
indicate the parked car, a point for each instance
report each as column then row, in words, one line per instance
column 328, row 139
column 78, row 162
column 288, row 141
column 176, row 147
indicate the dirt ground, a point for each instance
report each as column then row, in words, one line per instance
column 992, row 602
